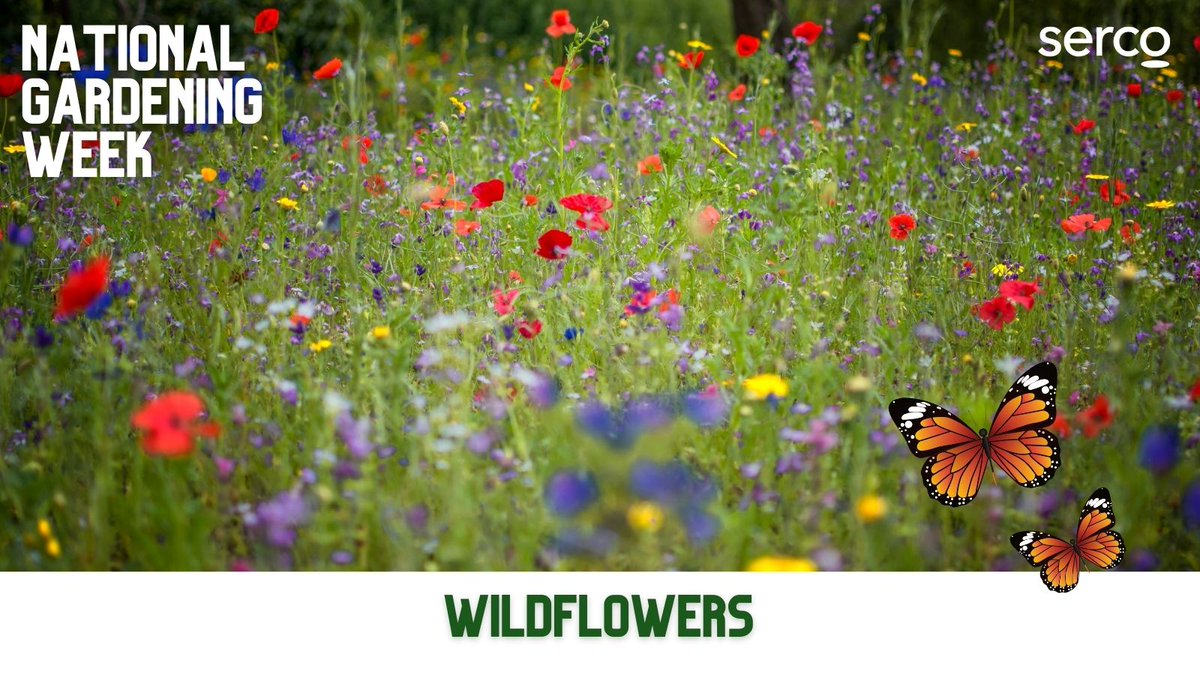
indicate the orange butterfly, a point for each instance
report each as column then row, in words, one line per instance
column 1095, row 542
column 1017, row 442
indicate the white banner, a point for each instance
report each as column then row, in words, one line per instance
column 398, row 623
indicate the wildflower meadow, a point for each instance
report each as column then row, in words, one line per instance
column 571, row 303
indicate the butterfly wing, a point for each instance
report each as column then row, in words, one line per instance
column 929, row 428
column 1029, row 403
column 1018, row 440
column 1029, row 457
column 955, row 460
column 1097, row 542
column 1057, row 558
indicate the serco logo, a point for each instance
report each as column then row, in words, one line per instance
column 1080, row 41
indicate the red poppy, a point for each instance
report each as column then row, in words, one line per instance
column 10, row 85
column 1081, row 222
column 651, row 164
column 529, row 329
column 559, row 79
column 902, row 224
column 530, row 200
column 329, row 70
column 668, row 300
column 591, row 210
column 807, row 32
column 82, row 288
column 640, row 303
column 1085, row 125
column 465, row 228
column 376, row 186
column 1134, row 90
column 217, row 243
column 487, row 193
column 737, row 93
column 1194, row 392
column 746, row 46
column 560, row 24
column 1196, row 43
column 997, row 312
column 171, row 423
column 266, row 21
column 1020, row 292
column 363, row 142
column 1129, row 232
column 1060, row 427
column 503, row 301
column 691, row 60
column 1095, row 419
column 706, row 221
column 554, row 245
column 1175, row 96
column 1115, row 195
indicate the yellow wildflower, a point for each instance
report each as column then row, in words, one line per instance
column 209, row 174
column 721, row 145
column 381, row 332
column 764, row 386
column 14, row 149
column 696, row 44
column 966, row 126
column 53, row 549
column 1161, row 204
column 858, row 384
column 919, row 79
column 1168, row 72
column 44, row 528
column 319, row 346
column 459, row 105
column 645, row 517
column 1129, row 272
column 1054, row 64
column 1002, row 270
column 956, row 53
column 272, row 66
column 864, row 37
column 529, row 87
column 287, row 203
column 1096, row 176
column 779, row 563
column 870, row 508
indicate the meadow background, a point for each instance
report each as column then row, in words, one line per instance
column 703, row 385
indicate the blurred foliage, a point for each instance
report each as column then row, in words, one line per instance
column 314, row 30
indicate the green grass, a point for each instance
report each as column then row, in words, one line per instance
column 829, row 311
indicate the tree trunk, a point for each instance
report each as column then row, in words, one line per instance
column 752, row 17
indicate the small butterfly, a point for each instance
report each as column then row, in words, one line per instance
column 1095, row 542
column 956, row 458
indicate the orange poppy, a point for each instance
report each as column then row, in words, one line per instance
column 651, row 164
